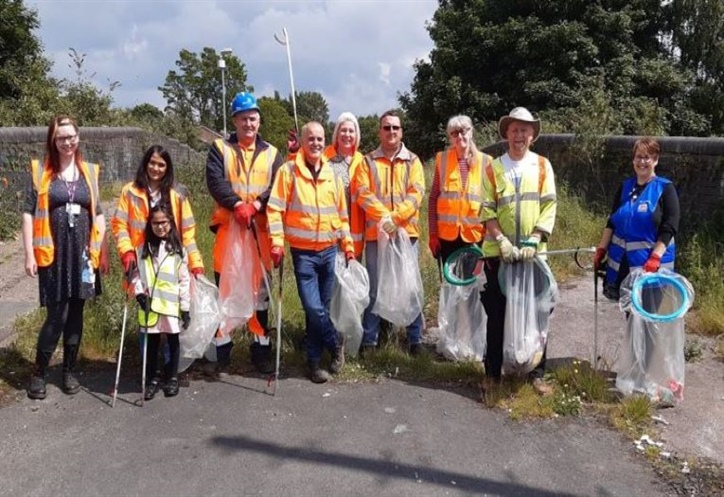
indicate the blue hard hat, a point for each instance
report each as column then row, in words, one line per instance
column 244, row 101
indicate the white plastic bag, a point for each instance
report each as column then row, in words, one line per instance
column 236, row 283
column 350, row 298
column 462, row 322
column 205, row 318
column 399, row 285
column 652, row 354
column 531, row 292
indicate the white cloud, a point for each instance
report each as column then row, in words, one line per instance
column 357, row 53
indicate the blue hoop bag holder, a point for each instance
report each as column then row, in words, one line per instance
column 652, row 355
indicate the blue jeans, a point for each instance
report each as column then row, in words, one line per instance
column 370, row 321
column 314, row 272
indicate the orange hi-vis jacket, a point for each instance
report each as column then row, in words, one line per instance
column 249, row 181
column 356, row 214
column 43, row 247
column 390, row 187
column 129, row 223
column 459, row 206
column 312, row 215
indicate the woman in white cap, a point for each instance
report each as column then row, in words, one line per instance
column 519, row 211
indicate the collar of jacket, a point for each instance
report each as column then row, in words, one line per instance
column 404, row 154
column 325, row 172
column 259, row 143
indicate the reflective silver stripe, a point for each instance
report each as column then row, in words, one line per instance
column 668, row 265
column 309, row 235
column 613, row 264
column 447, row 218
column 508, row 199
column 167, row 296
column 138, row 224
column 398, row 199
column 368, row 203
column 41, row 214
column 550, row 197
column 412, row 199
column 471, row 220
column 534, row 196
column 375, row 175
column 42, row 241
column 448, row 195
column 122, row 215
column 358, row 237
column 639, row 245
column 188, row 221
column 472, row 197
column 620, row 242
column 297, row 206
column 137, row 202
column 489, row 237
column 191, row 247
column 123, row 235
column 490, row 205
column 276, row 227
column 96, row 245
column 169, row 278
column 276, row 202
column 341, row 234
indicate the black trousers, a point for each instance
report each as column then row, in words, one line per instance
column 447, row 247
column 494, row 303
column 64, row 318
column 171, row 367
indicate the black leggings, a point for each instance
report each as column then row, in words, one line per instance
column 64, row 318
column 171, row 367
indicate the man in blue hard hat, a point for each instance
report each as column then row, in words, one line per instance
column 240, row 171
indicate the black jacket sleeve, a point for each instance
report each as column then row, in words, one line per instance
column 219, row 187
column 615, row 206
column 670, row 214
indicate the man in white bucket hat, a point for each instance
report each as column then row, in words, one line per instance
column 519, row 211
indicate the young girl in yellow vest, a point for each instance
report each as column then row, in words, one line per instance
column 161, row 284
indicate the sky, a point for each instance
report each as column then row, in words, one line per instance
column 358, row 54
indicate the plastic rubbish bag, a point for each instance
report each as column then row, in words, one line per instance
column 399, row 285
column 531, row 292
column 241, row 268
column 350, row 298
column 462, row 322
column 205, row 318
column 652, row 355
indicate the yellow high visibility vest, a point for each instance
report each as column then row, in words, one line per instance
column 163, row 288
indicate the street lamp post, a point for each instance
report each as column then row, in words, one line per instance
column 222, row 66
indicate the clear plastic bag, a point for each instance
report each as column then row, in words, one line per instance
column 400, row 294
column 531, row 292
column 241, row 268
column 205, row 318
column 652, row 355
column 462, row 322
column 350, row 298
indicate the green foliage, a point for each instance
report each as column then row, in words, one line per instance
column 275, row 122
column 369, row 127
column 632, row 416
column 194, row 91
column 581, row 381
column 311, row 106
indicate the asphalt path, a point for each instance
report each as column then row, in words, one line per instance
column 387, row 438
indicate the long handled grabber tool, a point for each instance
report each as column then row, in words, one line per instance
column 123, row 336
column 279, row 327
column 597, row 273
column 287, row 43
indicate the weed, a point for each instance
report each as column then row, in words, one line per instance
column 632, row 416
column 693, row 350
column 579, row 379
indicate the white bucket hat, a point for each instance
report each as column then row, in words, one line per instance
column 518, row 114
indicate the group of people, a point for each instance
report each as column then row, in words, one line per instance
column 319, row 200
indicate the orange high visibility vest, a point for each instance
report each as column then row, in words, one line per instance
column 129, row 223
column 311, row 215
column 43, row 247
column 356, row 214
column 458, row 206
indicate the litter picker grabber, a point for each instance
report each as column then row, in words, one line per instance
column 285, row 41
column 597, row 273
column 123, row 336
column 279, row 328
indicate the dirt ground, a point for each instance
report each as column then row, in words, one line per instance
column 692, row 428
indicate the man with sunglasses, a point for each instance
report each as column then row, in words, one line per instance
column 390, row 185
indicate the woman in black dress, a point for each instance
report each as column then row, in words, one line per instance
column 63, row 230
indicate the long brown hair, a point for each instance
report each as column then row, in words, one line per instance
column 51, row 150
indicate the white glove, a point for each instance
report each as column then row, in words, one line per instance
column 388, row 225
column 507, row 251
column 529, row 249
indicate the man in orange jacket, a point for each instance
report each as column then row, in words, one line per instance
column 308, row 207
column 239, row 174
column 390, row 185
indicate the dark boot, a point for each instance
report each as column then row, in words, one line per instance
column 36, row 387
column 223, row 361
column 338, row 356
column 261, row 357
column 152, row 388
column 170, row 389
column 70, row 384
column 317, row 374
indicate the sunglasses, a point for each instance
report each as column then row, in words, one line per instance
column 388, row 127
column 459, row 132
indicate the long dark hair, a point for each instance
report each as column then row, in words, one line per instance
column 141, row 180
column 173, row 241
column 51, row 150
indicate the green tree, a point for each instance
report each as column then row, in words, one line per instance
column 194, row 90
column 369, row 127
column 493, row 55
column 311, row 106
column 275, row 122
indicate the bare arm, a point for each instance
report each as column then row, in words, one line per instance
column 31, row 266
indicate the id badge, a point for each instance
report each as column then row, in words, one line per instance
column 72, row 210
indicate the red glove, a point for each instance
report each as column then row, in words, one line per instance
column 128, row 260
column 598, row 258
column 292, row 142
column 434, row 245
column 653, row 263
column 243, row 213
column 277, row 254
column 197, row 271
column 348, row 256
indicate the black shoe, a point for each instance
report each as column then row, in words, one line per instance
column 70, row 384
column 338, row 357
column 152, row 389
column 317, row 374
column 36, row 388
column 416, row 349
column 170, row 389
column 261, row 357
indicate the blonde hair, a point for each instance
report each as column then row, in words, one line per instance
column 345, row 117
column 463, row 122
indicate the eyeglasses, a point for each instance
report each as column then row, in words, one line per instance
column 643, row 158
column 388, row 127
column 66, row 139
column 159, row 224
column 459, row 132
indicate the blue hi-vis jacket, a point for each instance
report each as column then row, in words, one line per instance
column 635, row 232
